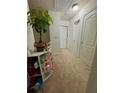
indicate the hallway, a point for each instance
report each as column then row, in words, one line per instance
column 70, row 74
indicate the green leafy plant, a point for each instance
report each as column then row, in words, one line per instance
column 40, row 20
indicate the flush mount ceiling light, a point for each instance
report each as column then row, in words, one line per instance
column 75, row 6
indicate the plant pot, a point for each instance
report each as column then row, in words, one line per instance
column 39, row 49
column 40, row 46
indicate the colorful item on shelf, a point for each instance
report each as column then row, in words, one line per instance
column 39, row 69
column 36, row 65
column 37, row 83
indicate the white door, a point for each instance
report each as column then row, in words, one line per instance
column 76, row 39
column 88, row 40
column 63, row 36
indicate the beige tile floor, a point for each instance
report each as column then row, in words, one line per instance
column 70, row 74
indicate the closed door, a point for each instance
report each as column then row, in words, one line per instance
column 63, row 36
column 88, row 40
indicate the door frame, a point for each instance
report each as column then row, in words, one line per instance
column 76, row 39
column 67, row 35
column 83, row 27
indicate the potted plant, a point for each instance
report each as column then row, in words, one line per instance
column 40, row 20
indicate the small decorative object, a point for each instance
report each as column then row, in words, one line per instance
column 40, row 20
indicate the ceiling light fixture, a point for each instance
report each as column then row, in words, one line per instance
column 75, row 6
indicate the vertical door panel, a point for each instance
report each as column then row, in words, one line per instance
column 88, row 40
column 90, row 30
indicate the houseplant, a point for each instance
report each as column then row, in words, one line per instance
column 40, row 20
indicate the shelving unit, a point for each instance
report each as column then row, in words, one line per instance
column 39, row 68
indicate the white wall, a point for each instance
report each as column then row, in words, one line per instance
column 30, row 36
column 64, row 23
column 54, row 32
column 70, row 36
column 80, row 15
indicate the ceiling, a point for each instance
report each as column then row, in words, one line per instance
column 63, row 6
